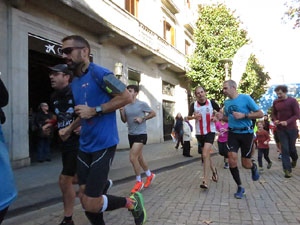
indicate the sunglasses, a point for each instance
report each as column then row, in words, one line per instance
column 69, row 50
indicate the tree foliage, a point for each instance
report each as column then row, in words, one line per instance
column 293, row 12
column 254, row 80
column 217, row 36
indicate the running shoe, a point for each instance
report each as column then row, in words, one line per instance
column 261, row 170
column 294, row 163
column 269, row 165
column 137, row 187
column 240, row 193
column 255, row 174
column 150, row 179
column 226, row 165
column 108, row 185
column 287, row 174
column 279, row 156
column 67, row 222
column 139, row 211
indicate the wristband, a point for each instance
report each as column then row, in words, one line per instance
column 246, row 115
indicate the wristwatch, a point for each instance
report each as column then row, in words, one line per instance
column 99, row 110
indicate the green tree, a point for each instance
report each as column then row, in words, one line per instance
column 217, row 36
column 293, row 12
column 254, row 80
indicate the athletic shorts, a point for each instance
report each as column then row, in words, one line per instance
column 93, row 168
column 69, row 161
column 223, row 149
column 240, row 140
column 140, row 138
column 207, row 138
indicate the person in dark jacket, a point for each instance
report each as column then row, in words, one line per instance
column 8, row 190
column 178, row 128
column 45, row 122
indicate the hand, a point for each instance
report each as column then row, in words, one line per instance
column 265, row 143
column 283, row 123
column 138, row 119
column 276, row 122
column 85, row 112
column 214, row 119
column 64, row 133
column 77, row 130
column 238, row 115
column 46, row 129
column 198, row 116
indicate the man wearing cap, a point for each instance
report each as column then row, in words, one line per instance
column 62, row 104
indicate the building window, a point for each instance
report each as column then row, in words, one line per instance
column 169, row 33
column 187, row 47
column 132, row 7
column 134, row 77
column 168, row 89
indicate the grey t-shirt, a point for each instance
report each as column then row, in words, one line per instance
column 137, row 109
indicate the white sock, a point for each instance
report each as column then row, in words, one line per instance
column 105, row 203
column 138, row 178
column 148, row 173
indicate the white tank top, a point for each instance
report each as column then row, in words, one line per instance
column 204, row 125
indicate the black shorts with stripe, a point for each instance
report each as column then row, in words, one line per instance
column 240, row 140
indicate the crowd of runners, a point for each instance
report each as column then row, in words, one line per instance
column 85, row 100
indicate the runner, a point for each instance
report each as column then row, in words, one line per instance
column 202, row 111
column 97, row 94
column 136, row 114
column 222, row 129
column 239, row 110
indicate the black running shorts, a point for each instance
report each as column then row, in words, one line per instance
column 207, row 138
column 140, row 138
column 69, row 161
column 240, row 140
column 93, row 168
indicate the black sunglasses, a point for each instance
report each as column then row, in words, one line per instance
column 69, row 50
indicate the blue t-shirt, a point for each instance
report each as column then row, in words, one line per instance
column 8, row 191
column 98, row 132
column 243, row 104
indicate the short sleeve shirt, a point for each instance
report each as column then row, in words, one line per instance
column 243, row 104
column 136, row 109
column 98, row 132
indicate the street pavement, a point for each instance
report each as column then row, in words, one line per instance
column 175, row 197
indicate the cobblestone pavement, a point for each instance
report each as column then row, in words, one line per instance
column 175, row 198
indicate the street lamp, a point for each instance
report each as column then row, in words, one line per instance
column 226, row 62
column 119, row 70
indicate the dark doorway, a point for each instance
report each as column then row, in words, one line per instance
column 39, row 90
column 168, row 118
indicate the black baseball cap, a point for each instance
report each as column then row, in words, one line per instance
column 61, row 68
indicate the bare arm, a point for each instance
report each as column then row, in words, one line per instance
column 251, row 115
column 123, row 115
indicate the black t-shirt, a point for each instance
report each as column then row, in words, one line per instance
column 62, row 104
column 213, row 103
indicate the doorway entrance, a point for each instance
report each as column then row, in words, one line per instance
column 168, row 118
column 39, row 88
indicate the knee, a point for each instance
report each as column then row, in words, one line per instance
column 65, row 181
column 132, row 158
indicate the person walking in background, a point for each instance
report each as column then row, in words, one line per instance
column 8, row 191
column 187, row 137
column 239, row 110
column 178, row 128
column 45, row 122
column 222, row 129
column 136, row 114
column 202, row 111
column 285, row 113
column 97, row 95
column 262, row 139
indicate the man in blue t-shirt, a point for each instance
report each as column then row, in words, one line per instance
column 239, row 110
column 97, row 94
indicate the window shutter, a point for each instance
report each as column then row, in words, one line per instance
column 173, row 36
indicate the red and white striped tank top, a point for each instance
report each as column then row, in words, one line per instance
column 204, row 125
